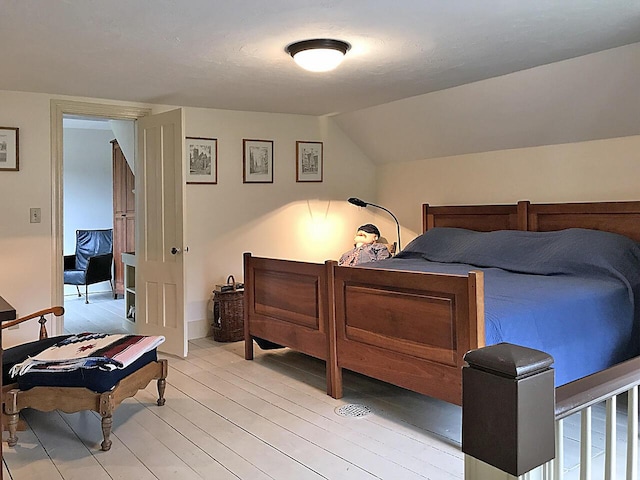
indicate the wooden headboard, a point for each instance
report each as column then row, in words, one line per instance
column 617, row 217
column 483, row 218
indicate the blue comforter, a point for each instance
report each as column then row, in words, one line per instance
column 574, row 293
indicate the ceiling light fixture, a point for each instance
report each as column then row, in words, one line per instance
column 318, row 55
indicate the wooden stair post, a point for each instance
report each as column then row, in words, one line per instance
column 508, row 411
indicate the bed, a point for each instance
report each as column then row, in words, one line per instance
column 412, row 328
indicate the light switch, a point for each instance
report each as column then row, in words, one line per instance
column 34, row 215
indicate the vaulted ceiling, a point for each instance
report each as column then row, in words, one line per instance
column 230, row 54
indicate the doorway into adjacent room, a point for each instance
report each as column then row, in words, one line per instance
column 99, row 194
column 158, row 260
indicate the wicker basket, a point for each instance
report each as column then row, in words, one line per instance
column 228, row 320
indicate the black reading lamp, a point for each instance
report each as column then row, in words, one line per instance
column 361, row 203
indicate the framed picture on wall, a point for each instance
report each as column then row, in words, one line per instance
column 309, row 161
column 9, row 149
column 202, row 160
column 257, row 161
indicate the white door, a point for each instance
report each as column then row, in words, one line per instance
column 159, row 230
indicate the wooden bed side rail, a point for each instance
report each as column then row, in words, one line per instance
column 410, row 329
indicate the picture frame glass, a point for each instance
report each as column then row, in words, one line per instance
column 9, row 149
column 202, row 160
column 309, row 161
column 257, row 161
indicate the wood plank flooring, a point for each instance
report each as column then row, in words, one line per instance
column 228, row 418
column 102, row 314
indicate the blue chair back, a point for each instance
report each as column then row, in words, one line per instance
column 90, row 243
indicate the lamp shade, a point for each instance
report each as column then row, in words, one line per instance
column 357, row 202
column 318, row 55
column 361, row 203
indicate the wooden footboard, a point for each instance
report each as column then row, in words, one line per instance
column 407, row 328
column 287, row 303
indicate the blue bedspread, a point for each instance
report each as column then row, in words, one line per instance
column 574, row 294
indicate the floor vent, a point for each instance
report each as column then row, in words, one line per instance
column 353, row 410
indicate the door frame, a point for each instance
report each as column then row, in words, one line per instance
column 58, row 109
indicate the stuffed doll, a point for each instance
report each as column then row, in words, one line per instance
column 366, row 248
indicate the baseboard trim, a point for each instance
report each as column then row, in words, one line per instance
column 198, row 329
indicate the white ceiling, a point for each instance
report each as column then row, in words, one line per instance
column 230, row 54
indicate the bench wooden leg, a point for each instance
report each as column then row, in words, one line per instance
column 107, row 406
column 22, row 425
column 11, row 412
column 107, row 422
column 13, row 427
column 162, row 383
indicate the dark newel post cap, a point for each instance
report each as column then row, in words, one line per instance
column 508, row 407
column 509, row 360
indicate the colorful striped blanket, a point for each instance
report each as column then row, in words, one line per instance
column 89, row 350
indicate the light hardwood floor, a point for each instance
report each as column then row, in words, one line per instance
column 270, row 418
column 102, row 314
column 226, row 417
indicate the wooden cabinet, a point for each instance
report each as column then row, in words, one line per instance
column 124, row 214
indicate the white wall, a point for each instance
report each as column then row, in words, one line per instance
column 25, row 248
column 124, row 132
column 599, row 170
column 88, row 182
column 88, row 187
column 223, row 220
column 286, row 219
column 586, row 98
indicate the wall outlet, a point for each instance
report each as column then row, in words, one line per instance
column 34, row 215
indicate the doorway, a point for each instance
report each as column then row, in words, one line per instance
column 60, row 108
column 98, row 185
column 159, row 271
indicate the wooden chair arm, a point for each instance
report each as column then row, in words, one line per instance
column 57, row 311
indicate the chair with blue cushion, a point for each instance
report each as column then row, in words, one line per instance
column 92, row 262
column 73, row 391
